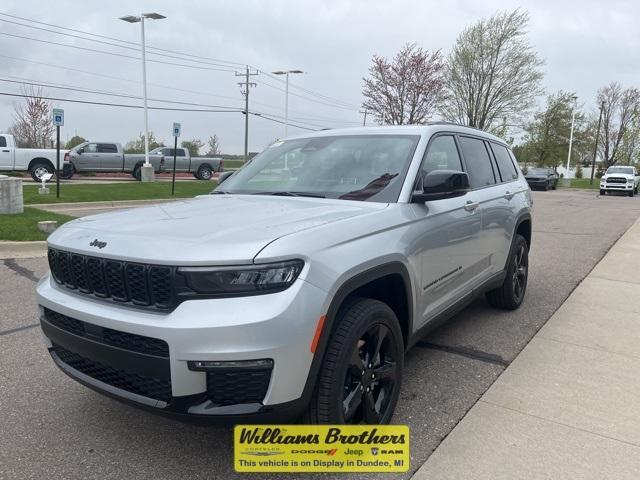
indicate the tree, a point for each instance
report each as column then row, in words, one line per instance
column 194, row 145
column 74, row 141
column 137, row 145
column 214, row 146
column 492, row 73
column 407, row 89
column 618, row 137
column 548, row 135
column 32, row 127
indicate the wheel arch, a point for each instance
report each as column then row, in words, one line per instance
column 40, row 160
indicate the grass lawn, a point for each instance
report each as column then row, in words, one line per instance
column 25, row 226
column 70, row 193
column 233, row 163
column 583, row 183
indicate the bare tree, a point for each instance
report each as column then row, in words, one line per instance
column 32, row 127
column 492, row 73
column 214, row 145
column 621, row 108
column 407, row 89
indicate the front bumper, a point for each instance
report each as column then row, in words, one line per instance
column 537, row 183
column 114, row 349
column 617, row 186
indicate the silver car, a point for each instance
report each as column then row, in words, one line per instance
column 328, row 256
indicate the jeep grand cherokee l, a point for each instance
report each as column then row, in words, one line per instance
column 295, row 288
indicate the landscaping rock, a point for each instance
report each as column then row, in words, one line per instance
column 11, row 201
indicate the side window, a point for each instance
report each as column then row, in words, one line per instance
column 107, row 148
column 91, row 148
column 3, row 141
column 180, row 152
column 441, row 155
column 505, row 165
column 478, row 162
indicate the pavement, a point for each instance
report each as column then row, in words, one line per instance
column 53, row 427
column 82, row 209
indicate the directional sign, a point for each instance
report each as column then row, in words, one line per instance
column 58, row 117
column 176, row 129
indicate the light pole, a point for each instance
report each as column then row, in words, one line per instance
column 573, row 119
column 147, row 169
column 286, row 107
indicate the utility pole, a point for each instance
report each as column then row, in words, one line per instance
column 573, row 119
column 595, row 149
column 364, row 120
column 244, row 88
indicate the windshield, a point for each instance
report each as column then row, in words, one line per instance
column 539, row 171
column 350, row 167
column 626, row 170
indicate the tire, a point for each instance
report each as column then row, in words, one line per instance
column 347, row 374
column 546, row 186
column 137, row 173
column 510, row 294
column 603, row 192
column 40, row 168
column 631, row 193
column 204, row 173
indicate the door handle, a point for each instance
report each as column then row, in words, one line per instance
column 6, row 151
column 471, row 206
column 508, row 195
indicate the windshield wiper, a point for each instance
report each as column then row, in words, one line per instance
column 292, row 194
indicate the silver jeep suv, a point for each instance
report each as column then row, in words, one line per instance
column 296, row 287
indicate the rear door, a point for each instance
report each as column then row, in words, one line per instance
column 6, row 156
column 449, row 234
column 109, row 156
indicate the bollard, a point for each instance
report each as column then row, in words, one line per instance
column 11, row 195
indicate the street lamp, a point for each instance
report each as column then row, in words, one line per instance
column 147, row 169
column 573, row 119
column 286, row 96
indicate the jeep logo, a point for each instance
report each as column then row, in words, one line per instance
column 98, row 243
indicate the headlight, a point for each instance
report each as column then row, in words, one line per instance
column 237, row 280
column 629, row 180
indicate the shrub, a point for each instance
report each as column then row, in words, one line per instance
column 579, row 173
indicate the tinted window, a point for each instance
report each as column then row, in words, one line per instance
column 505, row 165
column 3, row 142
column 442, row 155
column 478, row 162
column 180, row 153
column 107, row 148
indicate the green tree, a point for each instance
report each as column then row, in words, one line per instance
column 75, row 140
column 492, row 72
column 137, row 145
column 194, row 145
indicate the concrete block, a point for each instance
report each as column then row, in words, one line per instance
column 147, row 174
column 11, row 200
column 43, row 190
column 47, row 226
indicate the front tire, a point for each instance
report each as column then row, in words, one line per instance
column 631, row 193
column 510, row 294
column 361, row 372
column 38, row 169
column 603, row 192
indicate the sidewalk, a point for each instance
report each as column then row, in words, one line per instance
column 568, row 406
column 81, row 209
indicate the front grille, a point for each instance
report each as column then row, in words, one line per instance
column 616, row 180
column 237, row 387
column 123, row 282
column 131, row 382
column 108, row 336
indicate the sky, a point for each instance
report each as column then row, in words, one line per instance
column 585, row 44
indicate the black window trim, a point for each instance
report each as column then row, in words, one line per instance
column 493, row 153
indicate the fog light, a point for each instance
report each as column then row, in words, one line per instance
column 206, row 365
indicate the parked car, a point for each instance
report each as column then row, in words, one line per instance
column 108, row 157
column 545, row 178
column 620, row 178
column 303, row 295
column 201, row 167
column 36, row 161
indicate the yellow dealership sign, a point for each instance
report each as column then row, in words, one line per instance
column 321, row 448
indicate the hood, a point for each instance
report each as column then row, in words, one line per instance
column 212, row 229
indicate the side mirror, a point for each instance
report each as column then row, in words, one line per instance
column 223, row 176
column 80, row 151
column 441, row 184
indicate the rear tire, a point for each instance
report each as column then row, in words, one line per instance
column 137, row 173
column 204, row 173
column 510, row 294
column 361, row 372
column 40, row 168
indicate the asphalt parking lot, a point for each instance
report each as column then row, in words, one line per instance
column 52, row 427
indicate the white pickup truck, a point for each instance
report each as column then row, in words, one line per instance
column 37, row 161
column 620, row 178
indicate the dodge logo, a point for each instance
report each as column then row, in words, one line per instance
column 98, row 243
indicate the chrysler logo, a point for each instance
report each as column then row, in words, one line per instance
column 98, row 243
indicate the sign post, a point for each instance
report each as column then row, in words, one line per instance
column 58, row 121
column 176, row 134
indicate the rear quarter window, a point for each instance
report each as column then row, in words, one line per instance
column 506, row 167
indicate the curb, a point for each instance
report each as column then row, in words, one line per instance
column 23, row 249
column 110, row 203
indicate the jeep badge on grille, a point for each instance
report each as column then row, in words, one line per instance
column 98, row 243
